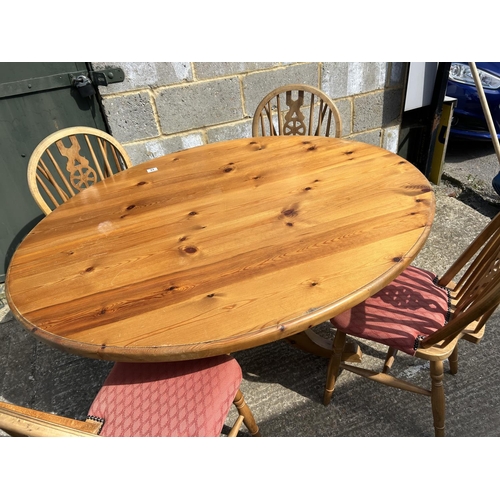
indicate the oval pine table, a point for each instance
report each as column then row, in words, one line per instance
column 219, row 248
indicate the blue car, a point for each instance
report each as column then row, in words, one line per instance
column 469, row 121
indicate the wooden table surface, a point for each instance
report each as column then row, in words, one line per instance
column 219, row 248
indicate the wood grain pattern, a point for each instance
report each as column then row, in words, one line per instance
column 221, row 248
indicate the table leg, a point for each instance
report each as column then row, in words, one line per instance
column 310, row 341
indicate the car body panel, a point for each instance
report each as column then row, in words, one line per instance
column 468, row 117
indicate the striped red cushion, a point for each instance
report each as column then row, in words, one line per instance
column 408, row 309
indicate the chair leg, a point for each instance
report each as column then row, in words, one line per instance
column 334, row 366
column 437, row 397
column 389, row 359
column 453, row 360
column 244, row 411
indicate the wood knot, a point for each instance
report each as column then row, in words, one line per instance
column 290, row 212
column 190, row 249
column 419, row 187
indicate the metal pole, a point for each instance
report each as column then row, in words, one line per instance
column 486, row 109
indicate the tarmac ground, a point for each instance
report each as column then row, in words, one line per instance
column 283, row 386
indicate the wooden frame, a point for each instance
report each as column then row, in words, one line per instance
column 283, row 112
column 19, row 421
column 52, row 183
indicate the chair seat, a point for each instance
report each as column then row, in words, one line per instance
column 185, row 398
column 401, row 314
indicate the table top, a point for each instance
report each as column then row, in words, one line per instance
column 219, row 248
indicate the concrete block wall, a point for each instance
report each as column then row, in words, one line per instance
column 163, row 107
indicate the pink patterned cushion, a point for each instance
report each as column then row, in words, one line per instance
column 408, row 309
column 185, row 398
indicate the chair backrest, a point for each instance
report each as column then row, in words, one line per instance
column 70, row 160
column 297, row 110
column 476, row 293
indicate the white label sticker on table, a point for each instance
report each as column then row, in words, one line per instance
column 149, row 170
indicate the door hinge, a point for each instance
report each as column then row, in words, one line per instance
column 103, row 77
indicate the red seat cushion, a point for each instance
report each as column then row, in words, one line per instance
column 185, row 398
column 405, row 311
